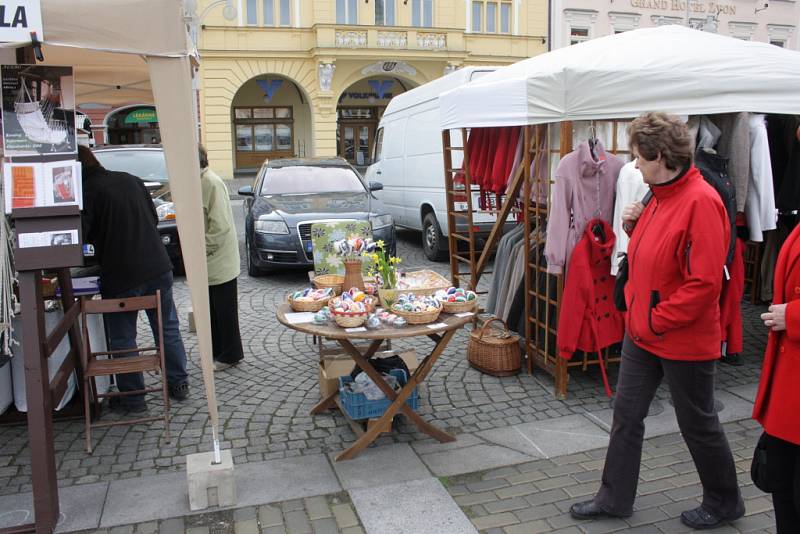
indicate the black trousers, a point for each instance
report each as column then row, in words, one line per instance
column 783, row 473
column 225, row 337
column 691, row 385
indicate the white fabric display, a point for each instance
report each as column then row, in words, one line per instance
column 97, row 337
column 760, row 207
column 36, row 118
column 630, row 188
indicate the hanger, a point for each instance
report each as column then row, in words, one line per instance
column 593, row 140
column 599, row 232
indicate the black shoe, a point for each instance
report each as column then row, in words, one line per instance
column 731, row 359
column 591, row 510
column 179, row 392
column 702, row 519
column 123, row 406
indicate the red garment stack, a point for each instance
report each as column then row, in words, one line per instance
column 492, row 152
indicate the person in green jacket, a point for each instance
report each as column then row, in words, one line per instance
column 222, row 256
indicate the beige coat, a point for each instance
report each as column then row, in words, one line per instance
column 222, row 244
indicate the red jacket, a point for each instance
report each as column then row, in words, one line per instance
column 588, row 319
column 778, row 399
column 675, row 260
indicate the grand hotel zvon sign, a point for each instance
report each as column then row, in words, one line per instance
column 680, row 5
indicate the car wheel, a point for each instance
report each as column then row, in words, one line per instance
column 252, row 270
column 433, row 242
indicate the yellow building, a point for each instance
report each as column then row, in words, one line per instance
column 311, row 77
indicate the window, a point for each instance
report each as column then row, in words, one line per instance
column 286, row 13
column 384, row 13
column 623, row 22
column 505, row 17
column 491, row 17
column 252, row 12
column 780, row 34
column 578, row 35
column 497, row 16
column 378, row 146
column 477, row 11
column 305, row 178
column 269, row 13
column 742, row 30
column 422, row 13
column 264, row 129
column 346, row 12
column 778, row 43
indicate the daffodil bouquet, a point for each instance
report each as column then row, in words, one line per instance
column 384, row 266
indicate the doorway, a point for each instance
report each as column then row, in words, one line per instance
column 356, row 140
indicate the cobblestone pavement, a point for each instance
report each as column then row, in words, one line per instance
column 535, row 497
column 265, row 402
column 325, row 514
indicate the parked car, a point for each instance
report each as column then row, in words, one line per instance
column 408, row 161
column 147, row 162
column 289, row 195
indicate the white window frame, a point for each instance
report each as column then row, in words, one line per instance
column 742, row 30
column 349, row 18
column 418, row 6
column 781, row 33
column 661, row 20
column 583, row 19
column 623, row 22
column 386, row 3
column 483, row 27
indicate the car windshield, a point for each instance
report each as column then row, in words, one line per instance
column 302, row 179
column 149, row 165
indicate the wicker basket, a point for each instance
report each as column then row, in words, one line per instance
column 418, row 317
column 349, row 319
column 494, row 352
column 307, row 305
column 460, row 307
column 334, row 281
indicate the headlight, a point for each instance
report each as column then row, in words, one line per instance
column 381, row 221
column 266, row 226
column 166, row 212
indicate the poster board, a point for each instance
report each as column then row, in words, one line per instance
column 324, row 235
column 42, row 184
column 38, row 110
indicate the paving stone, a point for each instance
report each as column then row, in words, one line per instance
column 317, row 508
column 345, row 516
column 495, row 520
column 249, row 526
column 528, row 528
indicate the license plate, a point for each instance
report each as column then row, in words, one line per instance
column 309, row 247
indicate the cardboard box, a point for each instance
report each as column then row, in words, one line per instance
column 334, row 366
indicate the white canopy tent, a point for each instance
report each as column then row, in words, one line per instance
column 667, row 68
column 97, row 39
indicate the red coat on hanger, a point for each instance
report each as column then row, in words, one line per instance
column 588, row 319
column 498, row 177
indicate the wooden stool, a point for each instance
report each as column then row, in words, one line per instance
column 148, row 359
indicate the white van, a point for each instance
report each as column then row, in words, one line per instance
column 407, row 160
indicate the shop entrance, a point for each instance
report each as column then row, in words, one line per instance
column 359, row 111
column 133, row 126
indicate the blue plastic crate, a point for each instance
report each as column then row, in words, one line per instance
column 358, row 406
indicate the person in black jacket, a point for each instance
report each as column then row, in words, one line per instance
column 119, row 219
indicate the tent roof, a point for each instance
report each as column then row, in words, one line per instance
column 667, row 68
column 144, row 27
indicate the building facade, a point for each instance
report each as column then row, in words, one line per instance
column 283, row 78
column 773, row 21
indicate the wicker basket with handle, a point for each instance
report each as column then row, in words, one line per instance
column 419, row 317
column 334, row 281
column 494, row 352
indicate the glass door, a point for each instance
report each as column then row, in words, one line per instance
column 356, row 143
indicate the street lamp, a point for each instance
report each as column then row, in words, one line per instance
column 194, row 20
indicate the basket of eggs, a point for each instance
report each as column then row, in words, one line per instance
column 456, row 300
column 416, row 309
column 309, row 300
column 351, row 308
column 333, row 281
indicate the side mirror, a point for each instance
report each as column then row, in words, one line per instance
column 375, row 186
column 246, row 191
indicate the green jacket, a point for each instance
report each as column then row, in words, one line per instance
column 222, row 244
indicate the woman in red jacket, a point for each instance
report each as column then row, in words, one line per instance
column 777, row 405
column 675, row 263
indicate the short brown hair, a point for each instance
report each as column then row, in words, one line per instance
column 655, row 133
column 203, row 156
column 87, row 157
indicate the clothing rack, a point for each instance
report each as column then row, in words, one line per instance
column 544, row 144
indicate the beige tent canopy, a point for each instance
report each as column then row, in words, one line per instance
column 97, row 37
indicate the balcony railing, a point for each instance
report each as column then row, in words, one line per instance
column 394, row 39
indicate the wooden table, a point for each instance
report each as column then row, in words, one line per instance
column 440, row 335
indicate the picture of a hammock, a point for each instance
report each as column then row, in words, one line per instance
column 36, row 117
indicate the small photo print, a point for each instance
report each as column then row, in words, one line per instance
column 60, row 238
column 64, row 185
